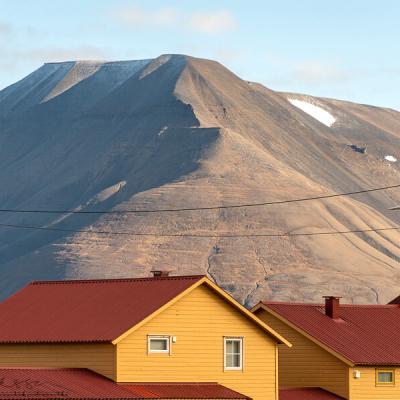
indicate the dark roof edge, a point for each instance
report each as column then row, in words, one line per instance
column 111, row 280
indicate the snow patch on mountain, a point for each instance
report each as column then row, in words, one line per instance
column 314, row 111
column 162, row 130
column 107, row 193
column 390, row 158
column 32, row 89
column 98, row 198
column 155, row 64
column 177, row 61
column 56, row 78
column 80, row 71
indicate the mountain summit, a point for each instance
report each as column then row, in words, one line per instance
column 180, row 132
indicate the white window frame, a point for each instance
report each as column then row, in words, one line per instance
column 241, row 341
column 167, row 338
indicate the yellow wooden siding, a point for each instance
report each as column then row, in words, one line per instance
column 307, row 364
column 200, row 320
column 365, row 387
column 97, row 357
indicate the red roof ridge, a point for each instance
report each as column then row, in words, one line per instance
column 370, row 305
column 114, row 280
column 288, row 303
column 167, row 383
column 46, row 368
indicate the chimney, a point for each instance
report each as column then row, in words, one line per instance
column 158, row 273
column 332, row 304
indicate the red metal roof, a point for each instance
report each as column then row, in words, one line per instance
column 183, row 391
column 306, row 394
column 62, row 383
column 84, row 311
column 363, row 334
column 79, row 384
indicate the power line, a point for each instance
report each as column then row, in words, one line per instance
column 267, row 203
column 44, row 228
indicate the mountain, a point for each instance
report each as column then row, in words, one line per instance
column 179, row 132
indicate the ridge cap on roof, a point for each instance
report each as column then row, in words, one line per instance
column 170, row 383
column 370, row 305
column 47, row 368
column 290, row 303
column 346, row 305
column 115, row 280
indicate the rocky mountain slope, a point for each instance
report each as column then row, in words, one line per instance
column 183, row 132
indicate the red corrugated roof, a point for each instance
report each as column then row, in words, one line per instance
column 46, row 383
column 183, row 391
column 306, row 394
column 364, row 334
column 79, row 384
column 84, row 311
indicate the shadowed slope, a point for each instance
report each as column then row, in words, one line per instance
column 186, row 132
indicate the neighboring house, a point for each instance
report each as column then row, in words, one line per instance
column 352, row 351
column 161, row 337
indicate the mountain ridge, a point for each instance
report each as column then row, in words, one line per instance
column 183, row 131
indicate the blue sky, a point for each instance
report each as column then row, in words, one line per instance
column 347, row 49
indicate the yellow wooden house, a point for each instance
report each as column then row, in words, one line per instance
column 159, row 337
column 350, row 351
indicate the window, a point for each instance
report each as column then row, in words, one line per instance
column 233, row 353
column 158, row 344
column 385, row 377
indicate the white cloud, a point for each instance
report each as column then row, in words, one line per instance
column 291, row 72
column 5, row 29
column 137, row 16
column 315, row 73
column 14, row 60
column 9, row 31
column 48, row 54
column 208, row 22
column 212, row 22
column 229, row 55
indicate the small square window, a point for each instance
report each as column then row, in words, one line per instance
column 385, row 377
column 233, row 353
column 158, row 344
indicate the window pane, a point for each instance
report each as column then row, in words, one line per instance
column 233, row 353
column 229, row 346
column 159, row 344
column 385, row 377
column 236, row 360
column 229, row 361
column 236, row 347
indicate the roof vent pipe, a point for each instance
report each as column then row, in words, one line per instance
column 332, row 304
column 157, row 273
